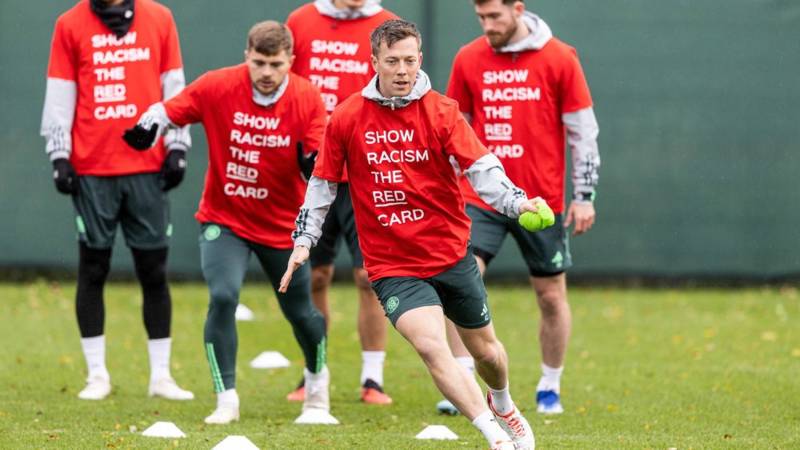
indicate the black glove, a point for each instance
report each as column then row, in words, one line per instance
column 65, row 177
column 306, row 161
column 173, row 169
column 141, row 138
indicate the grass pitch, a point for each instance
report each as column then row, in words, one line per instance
column 646, row 369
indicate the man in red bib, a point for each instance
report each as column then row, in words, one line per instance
column 331, row 43
column 110, row 60
column 524, row 91
column 401, row 143
column 258, row 118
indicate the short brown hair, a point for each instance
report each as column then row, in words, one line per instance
column 505, row 2
column 393, row 31
column 269, row 38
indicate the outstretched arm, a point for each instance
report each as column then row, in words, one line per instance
column 320, row 194
column 172, row 83
column 150, row 126
column 489, row 179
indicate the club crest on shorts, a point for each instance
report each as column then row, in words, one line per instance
column 392, row 304
column 212, row 232
column 558, row 260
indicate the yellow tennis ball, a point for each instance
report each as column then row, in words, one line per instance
column 539, row 220
column 531, row 221
column 548, row 217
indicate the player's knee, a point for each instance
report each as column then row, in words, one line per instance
column 153, row 277
column 94, row 265
column 430, row 349
column 151, row 267
column 362, row 279
column 95, row 272
column 297, row 310
column 321, row 277
column 551, row 301
column 489, row 353
column 304, row 318
column 224, row 296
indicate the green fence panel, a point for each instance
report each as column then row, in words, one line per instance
column 696, row 99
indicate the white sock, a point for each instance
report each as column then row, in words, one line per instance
column 94, row 350
column 551, row 379
column 487, row 424
column 314, row 380
column 372, row 366
column 501, row 401
column 467, row 362
column 228, row 399
column 159, row 358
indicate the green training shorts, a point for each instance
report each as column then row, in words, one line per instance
column 545, row 252
column 459, row 291
column 136, row 202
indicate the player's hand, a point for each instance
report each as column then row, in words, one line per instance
column 582, row 214
column 141, row 138
column 298, row 258
column 306, row 161
column 531, row 205
column 64, row 176
column 173, row 169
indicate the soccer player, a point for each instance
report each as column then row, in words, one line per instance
column 523, row 90
column 400, row 142
column 331, row 42
column 109, row 60
column 258, row 119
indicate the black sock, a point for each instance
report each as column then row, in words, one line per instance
column 151, row 269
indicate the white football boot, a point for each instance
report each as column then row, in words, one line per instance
column 224, row 414
column 317, row 404
column 504, row 445
column 97, row 388
column 167, row 388
column 515, row 425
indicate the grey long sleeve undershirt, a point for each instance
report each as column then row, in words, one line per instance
column 582, row 131
column 58, row 115
column 489, row 179
column 175, row 138
column 320, row 194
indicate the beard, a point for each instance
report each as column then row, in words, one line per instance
column 499, row 40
